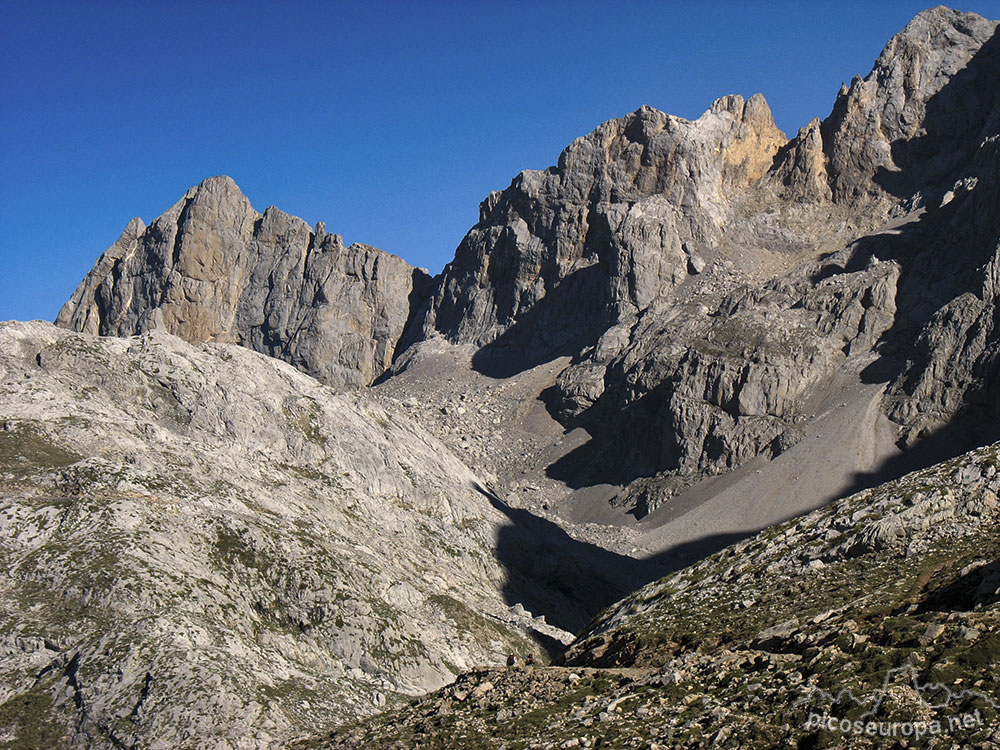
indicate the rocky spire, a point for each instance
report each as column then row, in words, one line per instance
column 928, row 102
column 211, row 268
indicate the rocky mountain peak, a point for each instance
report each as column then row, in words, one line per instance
column 632, row 157
column 220, row 190
column 938, row 28
column 926, row 105
column 603, row 233
column 135, row 227
column 749, row 149
column 211, row 268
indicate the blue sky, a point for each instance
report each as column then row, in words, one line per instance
column 389, row 121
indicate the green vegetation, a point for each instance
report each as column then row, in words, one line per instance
column 26, row 448
column 29, row 720
column 231, row 547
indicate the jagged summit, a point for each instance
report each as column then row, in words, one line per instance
column 940, row 27
column 925, row 107
column 618, row 221
column 211, row 268
column 221, row 185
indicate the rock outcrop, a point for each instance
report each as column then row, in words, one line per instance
column 203, row 545
column 919, row 116
column 953, row 366
column 213, row 269
column 705, row 277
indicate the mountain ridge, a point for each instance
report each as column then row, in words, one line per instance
column 224, row 272
column 639, row 362
column 567, row 260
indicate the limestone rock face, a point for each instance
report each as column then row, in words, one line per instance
column 213, row 269
column 706, row 277
column 709, row 277
column 201, row 546
column 953, row 367
column 613, row 226
column 920, row 114
column 707, row 383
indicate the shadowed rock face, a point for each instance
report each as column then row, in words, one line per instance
column 213, row 269
column 620, row 221
column 920, row 114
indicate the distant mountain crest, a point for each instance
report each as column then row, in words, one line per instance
column 211, row 268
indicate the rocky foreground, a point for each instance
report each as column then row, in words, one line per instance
column 883, row 609
column 202, row 543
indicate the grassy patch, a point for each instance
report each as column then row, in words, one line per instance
column 25, row 447
column 29, row 719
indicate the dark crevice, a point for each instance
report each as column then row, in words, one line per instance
column 143, row 695
column 182, row 217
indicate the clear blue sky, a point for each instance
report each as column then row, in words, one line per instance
column 389, row 121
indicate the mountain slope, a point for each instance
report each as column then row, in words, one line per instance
column 780, row 286
column 201, row 544
column 205, row 545
column 892, row 594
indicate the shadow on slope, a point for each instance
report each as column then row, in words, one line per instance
column 943, row 254
column 571, row 316
column 624, row 442
column 966, row 432
column 956, row 120
column 569, row 582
